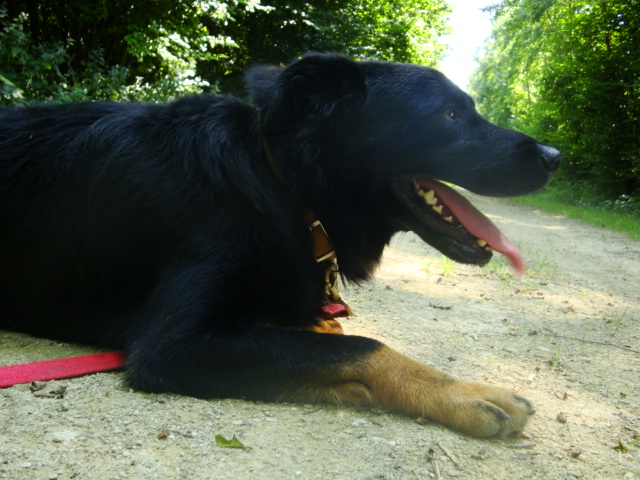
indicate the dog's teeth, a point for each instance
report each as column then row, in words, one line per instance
column 438, row 209
column 416, row 186
column 430, row 197
column 448, row 219
column 482, row 244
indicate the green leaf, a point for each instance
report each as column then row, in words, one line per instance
column 233, row 443
column 6, row 81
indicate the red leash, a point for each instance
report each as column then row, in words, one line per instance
column 61, row 368
column 98, row 362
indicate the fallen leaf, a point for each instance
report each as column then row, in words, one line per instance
column 233, row 443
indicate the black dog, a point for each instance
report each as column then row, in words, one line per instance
column 177, row 232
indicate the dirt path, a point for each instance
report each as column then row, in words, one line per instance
column 566, row 336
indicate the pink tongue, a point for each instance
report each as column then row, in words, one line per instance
column 476, row 222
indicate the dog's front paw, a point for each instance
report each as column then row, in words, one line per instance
column 401, row 384
column 387, row 379
column 483, row 410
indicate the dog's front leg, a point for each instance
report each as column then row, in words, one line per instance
column 190, row 340
column 403, row 385
column 273, row 363
column 387, row 379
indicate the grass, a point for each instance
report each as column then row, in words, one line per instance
column 544, row 264
column 536, row 273
column 556, row 360
column 619, row 320
column 499, row 266
column 444, row 265
column 550, row 201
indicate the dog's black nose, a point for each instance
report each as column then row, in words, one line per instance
column 550, row 157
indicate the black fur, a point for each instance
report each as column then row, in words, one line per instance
column 162, row 229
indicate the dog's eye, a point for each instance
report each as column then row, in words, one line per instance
column 450, row 113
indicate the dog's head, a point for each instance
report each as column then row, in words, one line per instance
column 390, row 134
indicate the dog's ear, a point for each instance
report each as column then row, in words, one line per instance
column 317, row 84
column 260, row 82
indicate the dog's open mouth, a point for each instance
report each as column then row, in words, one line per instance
column 450, row 223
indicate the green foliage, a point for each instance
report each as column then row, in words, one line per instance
column 616, row 215
column 69, row 50
column 398, row 31
column 568, row 73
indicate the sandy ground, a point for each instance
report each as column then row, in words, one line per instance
column 567, row 337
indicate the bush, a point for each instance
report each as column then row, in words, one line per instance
column 39, row 72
